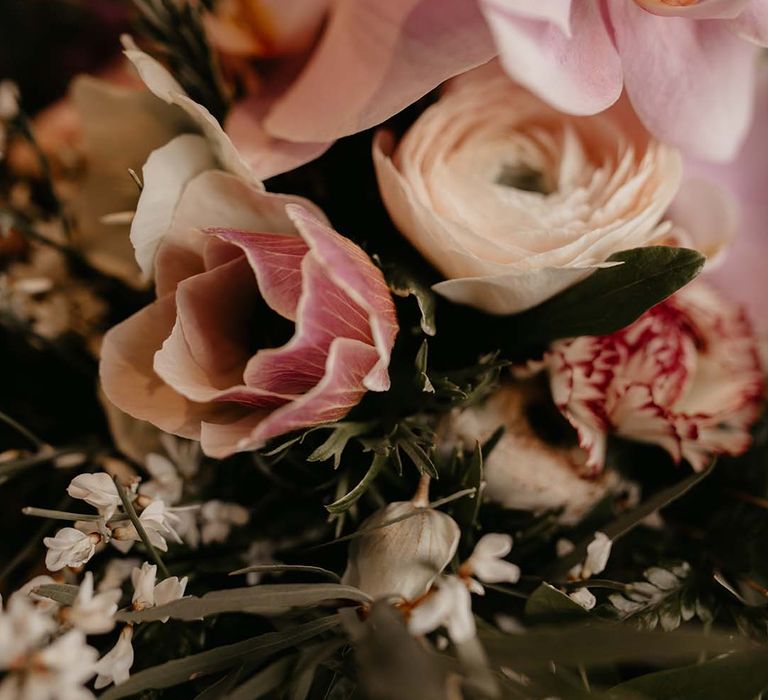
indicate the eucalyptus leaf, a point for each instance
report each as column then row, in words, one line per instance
column 612, row 297
column 739, row 676
column 267, row 599
column 221, row 658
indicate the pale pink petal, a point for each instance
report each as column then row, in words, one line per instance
column 742, row 273
column 708, row 216
column 217, row 199
column 340, row 389
column 276, row 262
column 707, row 113
column 165, row 174
column 267, row 156
column 129, row 380
column 701, row 9
column 578, row 73
column 752, row 24
column 374, row 59
column 355, row 274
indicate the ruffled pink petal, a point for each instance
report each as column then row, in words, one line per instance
column 708, row 113
column 353, row 272
column 276, row 261
column 130, row 382
column 752, row 24
column 268, row 156
column 578, row 73
column 374, row 59
column 340, row 389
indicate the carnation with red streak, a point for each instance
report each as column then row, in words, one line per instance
column 685, row 376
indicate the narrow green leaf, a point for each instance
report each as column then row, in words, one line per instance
column 337, row 441
column 346, row 502
column 309, row 661
column 267, row 599
column 221, row 658
column 739, row 676
column 612, row 297
column 629, row 520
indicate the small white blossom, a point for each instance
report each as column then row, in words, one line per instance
column 584, row 597
column 115, row 572
column 166, row 484
column 218, row 519
column 158, row 521
column 448, row 605
column 487, row 561
column 56, row 672
column 23, row 628
column 97, row 490
column 9, row 100
column 147, row 593
column 115, row 665
column 70, row 547
column 93, row 614
column 598, row 552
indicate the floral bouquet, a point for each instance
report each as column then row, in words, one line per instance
column 385, row 350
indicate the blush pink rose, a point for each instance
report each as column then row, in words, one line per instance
column 686, row 376
column 206, row 360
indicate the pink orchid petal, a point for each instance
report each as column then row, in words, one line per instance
column 340, row 389
column 356, row 275
column 708, row 114
column 268, row 156
column 130, row 382
column 578, row 74
column 374, row 59
column 752, row 24
column 702, row 9
column 276, row 261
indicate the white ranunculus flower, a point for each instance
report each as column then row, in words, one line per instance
column 513, row 201
column 404, row 558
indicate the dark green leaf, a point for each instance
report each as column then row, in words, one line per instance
column 63, row 593
column 612, row 297
column 346, row 502
column 740, row 676
column 265, row 681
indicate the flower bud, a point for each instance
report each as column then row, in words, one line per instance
column 404, row 558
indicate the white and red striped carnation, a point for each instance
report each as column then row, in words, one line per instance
column 685, row 376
